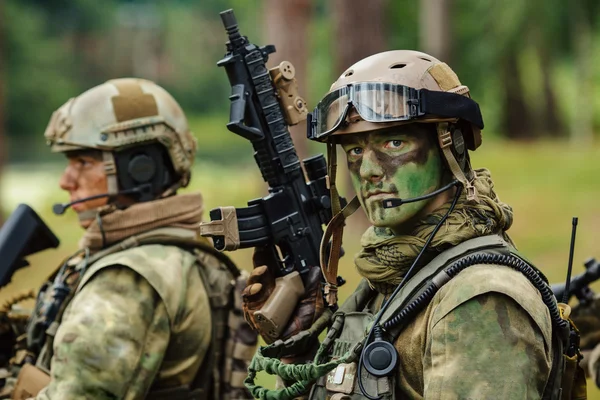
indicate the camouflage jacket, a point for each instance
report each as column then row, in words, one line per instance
column 139, row 319
column 486, row 334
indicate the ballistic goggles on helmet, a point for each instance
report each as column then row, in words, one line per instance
column 387, row 102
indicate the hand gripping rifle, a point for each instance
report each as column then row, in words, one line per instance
column 290, row 218
column 23, row 234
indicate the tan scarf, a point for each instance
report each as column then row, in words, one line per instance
column 179, row 211
column 385, row 258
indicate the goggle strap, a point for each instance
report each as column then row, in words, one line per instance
column 451, row 105
column 445, row 142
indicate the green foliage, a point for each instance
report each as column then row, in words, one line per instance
column 56, row 49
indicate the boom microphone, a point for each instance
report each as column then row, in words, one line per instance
column 397, row 202
column 60, row 208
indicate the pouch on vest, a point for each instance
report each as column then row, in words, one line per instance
column 342, row 381
column 29, row 382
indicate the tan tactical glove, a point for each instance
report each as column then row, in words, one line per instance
column 587, row 320
column 261, row 286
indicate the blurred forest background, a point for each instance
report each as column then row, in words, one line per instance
column 531, row 65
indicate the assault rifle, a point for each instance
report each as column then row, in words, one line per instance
column 290, row 218
column 24, row 233
column 579, row 284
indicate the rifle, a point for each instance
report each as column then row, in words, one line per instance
column 579, row 284
column 24, row 233
column 288, row 221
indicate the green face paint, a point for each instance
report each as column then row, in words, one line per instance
column 403, row 162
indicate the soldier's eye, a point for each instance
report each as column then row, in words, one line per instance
column 355, row 151
column 394, row 144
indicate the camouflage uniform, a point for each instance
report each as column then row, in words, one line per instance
column 150, row 312
column 485, row 335
column 130, row 327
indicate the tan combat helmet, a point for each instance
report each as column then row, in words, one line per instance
column 385, row 90
column 383, row 87
column 120, row 114
column 408, row 68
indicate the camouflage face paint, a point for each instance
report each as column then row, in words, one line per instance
column 401, row 162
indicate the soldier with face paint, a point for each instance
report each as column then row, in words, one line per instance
column 447, row 309
column 145, row 308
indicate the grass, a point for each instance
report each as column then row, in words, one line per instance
column 546, row 183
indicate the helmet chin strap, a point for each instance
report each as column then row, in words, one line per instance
column 445, row 141
column 330, row 252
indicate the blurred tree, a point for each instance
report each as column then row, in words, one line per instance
column 358, row 33
column 435, row 27
column 2, row 90
column 286, row 25
column 582, row 129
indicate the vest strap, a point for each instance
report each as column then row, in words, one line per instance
column 412, row 288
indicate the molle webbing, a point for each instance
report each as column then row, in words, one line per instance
column 132, row 103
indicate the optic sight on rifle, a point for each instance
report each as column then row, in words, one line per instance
column 579, row 284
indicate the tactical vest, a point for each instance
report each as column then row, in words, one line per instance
column 346, row 335
column 217, row 378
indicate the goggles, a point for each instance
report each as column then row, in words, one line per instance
column 387, row 102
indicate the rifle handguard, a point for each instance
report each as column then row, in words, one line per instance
column 275, row 314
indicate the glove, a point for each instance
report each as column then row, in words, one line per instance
column 261, row 285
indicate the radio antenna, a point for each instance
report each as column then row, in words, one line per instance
column 565, row 298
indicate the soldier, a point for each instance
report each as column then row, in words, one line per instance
column 451, row 308
column 144, row 308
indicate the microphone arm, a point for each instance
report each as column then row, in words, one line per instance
column 60, row 208
column 397, row 202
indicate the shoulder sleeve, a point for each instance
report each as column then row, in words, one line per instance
column 111, row 341
column 483, row 340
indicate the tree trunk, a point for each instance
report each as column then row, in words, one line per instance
column 551, row 123
column 286, row 26
column 582, row 130
column 436, row 29
column 2, row 101
column 517, row 118
column 358, row 33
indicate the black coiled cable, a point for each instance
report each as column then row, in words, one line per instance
column 485, row 258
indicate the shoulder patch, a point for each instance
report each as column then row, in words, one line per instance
column 480, row 279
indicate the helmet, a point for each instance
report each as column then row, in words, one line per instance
column 120, row 115
column 393, row 88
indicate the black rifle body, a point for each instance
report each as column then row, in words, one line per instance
column 291, row 216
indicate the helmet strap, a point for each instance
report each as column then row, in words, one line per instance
column 110, row 169
column 444, row 135
column 331, row 243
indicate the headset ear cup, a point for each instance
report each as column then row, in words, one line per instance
column 459, row 147
column 141, row 168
